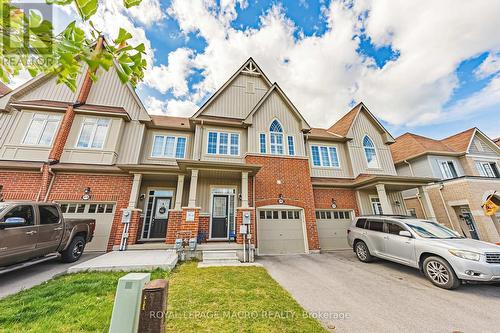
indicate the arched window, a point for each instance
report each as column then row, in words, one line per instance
column 276, row 135
column 370, row 152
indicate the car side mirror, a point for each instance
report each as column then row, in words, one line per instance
column 405, row 233
column 12, row 222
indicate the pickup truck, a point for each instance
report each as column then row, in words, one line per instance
column 33, row 231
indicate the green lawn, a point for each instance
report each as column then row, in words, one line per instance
column 219, row 299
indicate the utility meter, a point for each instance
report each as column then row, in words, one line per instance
column 192, row 244
column 243, row 229
column 246, row 217
column 126, row 215
column 178, row 244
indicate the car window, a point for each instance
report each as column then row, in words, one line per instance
column 21, row 212
column 48, row 215
column 3, row 206
column 376, row 225
column 361, row 223
column 394, row 228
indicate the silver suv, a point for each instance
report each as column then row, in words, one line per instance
column 440, row 253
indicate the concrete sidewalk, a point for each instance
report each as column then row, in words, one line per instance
column 129, row 261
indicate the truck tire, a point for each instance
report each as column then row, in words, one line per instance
column 74, row 251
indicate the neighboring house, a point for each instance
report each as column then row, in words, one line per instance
column 468, row 166
column 248, row 151
column 497, row 141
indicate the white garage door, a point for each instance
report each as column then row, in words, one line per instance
column 280, row 232
column 103, row 214
column 332, row 229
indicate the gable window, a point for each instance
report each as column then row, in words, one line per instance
column 93, row 133
column 262, row 142
column 41, row 129
column 370, row 152
column 222, row 143
column 448, row 169
column 168, row 146
column 487, row 169
column 276, row 133
column 291, row 146
column 325, row 156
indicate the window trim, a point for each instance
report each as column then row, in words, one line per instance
column 275, row 133
column 440, row 165
column 217, row 144
column 265, row 143
column 374, row 149
column 482, row 170
column 165, row 142
column 321, row 166
column 380, row 204
column 94, row 130
column 47, row 115
column 293, row 145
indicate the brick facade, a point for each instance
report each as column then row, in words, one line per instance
column 20, row 185
column 414, row 203
column 344, row 198
column 179, row 226
column 290, row 177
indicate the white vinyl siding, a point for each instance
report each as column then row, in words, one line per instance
column 93, row 133
column 223, row 143
column 168, row 146
column 41, row 130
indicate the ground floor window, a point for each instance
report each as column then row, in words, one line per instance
column 87, row 208
column 279, row 214
column 376, row 205
column 332, row 214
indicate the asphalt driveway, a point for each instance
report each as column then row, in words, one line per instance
column 350, row 296
column 13, row 282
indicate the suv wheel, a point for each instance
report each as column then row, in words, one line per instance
column 440, row 273
column 74, row 250
column 362, row 252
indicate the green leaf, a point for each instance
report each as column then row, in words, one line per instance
column 87, row 8
column 131, row 3
column 123, row 35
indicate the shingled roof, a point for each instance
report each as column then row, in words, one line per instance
column 497, row 141
column 4, row 89
column 460, row 141
column 343, row 125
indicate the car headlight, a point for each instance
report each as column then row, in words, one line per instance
column 469, row 255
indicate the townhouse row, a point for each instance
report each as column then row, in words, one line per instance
column 247, row 156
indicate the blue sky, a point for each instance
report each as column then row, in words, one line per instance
column 417, row 65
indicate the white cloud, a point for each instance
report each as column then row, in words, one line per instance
column 148, row 12
column 489, row 66
column 173, row 76
column 325, row 73
column 173, row 107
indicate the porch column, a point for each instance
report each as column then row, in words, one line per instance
column 192, row 188
column 134, row 192
column 244, row 189
column 384, row 201
column 178, row 192
column 426, row 202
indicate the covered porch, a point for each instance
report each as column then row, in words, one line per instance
column 198, row 200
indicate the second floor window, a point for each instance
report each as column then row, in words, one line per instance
column 448, row 170
column 291, row 146
column 169, row 146
column 262, row 143
column 93, row 133
column 41, row 130
column 325, row 156
column 221, row 143
column 487, row 169
column 276, row 135
column 370, row 152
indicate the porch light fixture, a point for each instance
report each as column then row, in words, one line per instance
column 142, row 196
column 397, row 203
column 281, row 200
column 334, row 203
column 86, row 194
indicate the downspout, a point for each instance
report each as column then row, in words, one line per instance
column 417, row 196
column 200, row 152
column 441, row 186
column 40, row 190
column 52, row 179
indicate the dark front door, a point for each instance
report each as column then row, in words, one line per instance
column 469, row 221
column 219, row 216
column 159, row 217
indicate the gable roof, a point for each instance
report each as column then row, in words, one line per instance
column 249, row 67
column 409, row 146
column 161, row 121
column 343, row 126
column 4, row 89
column 276, row 88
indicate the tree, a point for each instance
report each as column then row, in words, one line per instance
column 28, row 43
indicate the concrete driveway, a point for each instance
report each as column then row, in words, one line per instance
column 13, row 282
column 350, row 296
